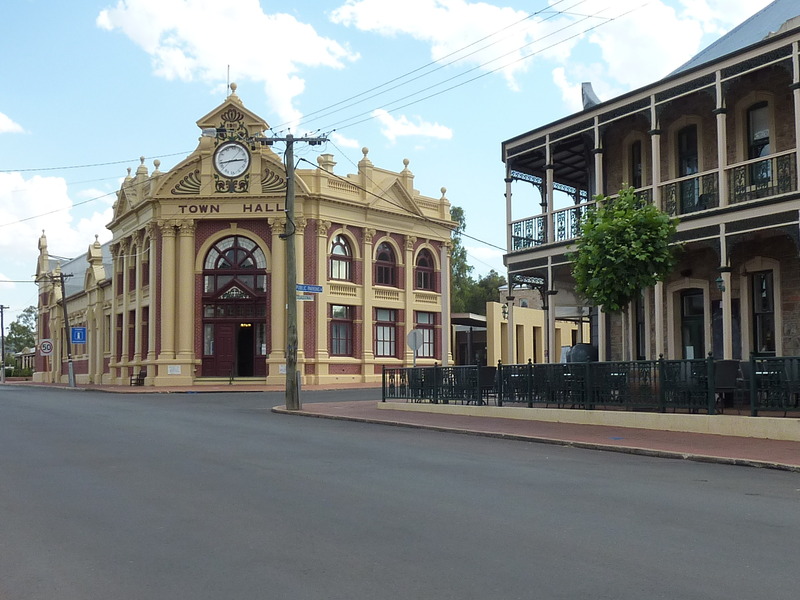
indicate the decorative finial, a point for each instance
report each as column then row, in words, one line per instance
column 96, row 238
column 365, row 151
column 233, row 87
column 141, row 159
column 156, row 163
column 405, row 162
column 444, row 191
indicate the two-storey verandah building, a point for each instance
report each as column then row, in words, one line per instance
column 193, row 285
column 715, row 144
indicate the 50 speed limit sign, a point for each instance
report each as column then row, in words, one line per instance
column 46, row 347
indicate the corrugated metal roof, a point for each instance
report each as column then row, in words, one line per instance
column 768, row 20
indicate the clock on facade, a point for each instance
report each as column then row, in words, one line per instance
column 231, row 159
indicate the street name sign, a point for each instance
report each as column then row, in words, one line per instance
column 308, row 289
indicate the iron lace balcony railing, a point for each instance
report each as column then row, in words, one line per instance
column 762, row 177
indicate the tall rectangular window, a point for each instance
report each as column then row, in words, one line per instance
column 385, row 332
column 688, row 164
column 758, row 143
column 636, row 164
column 208, row 339
column 425, row 323
column 341, row 330
column 692, row 323
column 763, row 313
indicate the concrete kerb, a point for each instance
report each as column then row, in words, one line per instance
column 553, row 441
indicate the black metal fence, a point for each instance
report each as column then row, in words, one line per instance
column 762, row 384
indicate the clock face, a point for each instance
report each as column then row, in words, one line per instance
column 231, row 159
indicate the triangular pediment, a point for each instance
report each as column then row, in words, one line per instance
column 396, row 196
column 123, row 205
column 232, row 116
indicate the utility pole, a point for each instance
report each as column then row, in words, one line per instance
column 292, row 375
column 67, row 340
column 2, row 346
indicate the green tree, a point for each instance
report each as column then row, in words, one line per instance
column 484, row 290
column 461, row 280
column 624, row 247
column 22, row 332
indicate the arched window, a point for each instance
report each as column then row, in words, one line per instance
column 385, row 265
column 341, row 259
column 235, row 258
column 424, row 275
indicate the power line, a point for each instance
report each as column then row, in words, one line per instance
column 344, row 123
column 440, row 62
column 56, row 210
column 400, row 206
column 104, row 164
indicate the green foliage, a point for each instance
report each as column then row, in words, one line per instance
column 460, row 270
column 22, row 332
column 624, row 247
column 466, row 294
column 482, row 291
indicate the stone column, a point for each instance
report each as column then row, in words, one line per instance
column 112, row 342
column 408, row 288
column 655, row 154
column 277, row 317
column 321, row 304
column 138, row 299
column 151, row 230
column 599, row 182
column 722, row 142
column 444, row 278
column 367, row 317
column 186, row 292
column 125, row 248
column 167, row 317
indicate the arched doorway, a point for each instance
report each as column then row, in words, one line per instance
column 235, row 309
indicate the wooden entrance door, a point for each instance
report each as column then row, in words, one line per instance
column 225, row 341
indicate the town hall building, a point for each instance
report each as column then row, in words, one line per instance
column 192, row 287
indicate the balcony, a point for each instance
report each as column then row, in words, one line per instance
column 691, row 194
column 750, row 180
column 762, row 177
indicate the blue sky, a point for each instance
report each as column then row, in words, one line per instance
column 89, row 86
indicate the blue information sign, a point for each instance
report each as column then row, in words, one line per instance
column 309, row 289
column 78, row 335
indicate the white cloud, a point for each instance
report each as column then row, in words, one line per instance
column 199, row 39
column 344, row 142
column 629, row 51
column 7, row 125
column 453, row 28
column 46, row 199
column 394, row 127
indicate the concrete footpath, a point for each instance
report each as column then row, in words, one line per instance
column 705, row 447
column 731, row 450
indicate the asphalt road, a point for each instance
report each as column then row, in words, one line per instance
column 212, row 496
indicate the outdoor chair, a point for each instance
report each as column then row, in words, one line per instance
column 138, row 378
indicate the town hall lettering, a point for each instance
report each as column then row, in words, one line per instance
column 198, row 208
column 260, row 208
column 214, row 208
